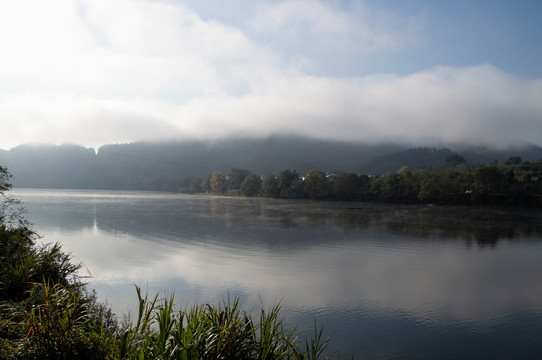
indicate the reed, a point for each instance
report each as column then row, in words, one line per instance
column 212, row 332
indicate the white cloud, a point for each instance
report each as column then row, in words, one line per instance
column 327, row 25
column 479, row 104
column 94, row 72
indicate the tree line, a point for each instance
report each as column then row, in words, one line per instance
column 512, row 183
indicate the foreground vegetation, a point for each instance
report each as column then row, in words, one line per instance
column 513, row 183
column 47, row 312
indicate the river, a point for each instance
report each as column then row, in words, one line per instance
column 390, row 281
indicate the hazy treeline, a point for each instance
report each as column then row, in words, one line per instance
column 514, row 182
column 169, row 166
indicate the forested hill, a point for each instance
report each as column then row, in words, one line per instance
column 165, row 166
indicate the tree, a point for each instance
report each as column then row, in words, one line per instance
column 11, row 214
column 513, row 160
column 236, row 178
column 431, row 188
column 218, row 183
column 454, row 160
column 195, row 187
column 297, row 188
column 317, row 186
column 411, row 183
column 392, row 188
column 488, row 179
column 270, row 187
column 5, row 178
column 206, row 184
column 251, row 185
column 347, row 186
column 285, row 181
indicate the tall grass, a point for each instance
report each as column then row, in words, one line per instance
column 212, row 332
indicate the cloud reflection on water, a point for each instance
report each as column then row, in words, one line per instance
column 387, row 278
column 417, row 261
column 430, row 281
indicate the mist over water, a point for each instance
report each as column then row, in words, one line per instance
column 390, row 281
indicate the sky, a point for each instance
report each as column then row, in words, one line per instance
column 94, row 72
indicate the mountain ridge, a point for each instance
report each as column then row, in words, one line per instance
column 163, row 165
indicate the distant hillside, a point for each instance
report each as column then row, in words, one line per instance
column 478, row 155
column 48, row 166
column 163, row 166
column 414, row 158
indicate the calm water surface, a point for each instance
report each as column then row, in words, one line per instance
column 403, row 282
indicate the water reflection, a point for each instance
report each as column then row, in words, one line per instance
column 141, row 215
column 373, row 272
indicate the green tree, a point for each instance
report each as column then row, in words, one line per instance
column 5, row 178
column 513, row 160
column 270, row 187
column 454, row 160
column 236, row 178
column 195, row 187
column 347, row 186
column 251, row 185
column 218, row 183
column 392, row 188
column 11, row 213
column 317, row 186
column 297, row 189
column 411, row 184
column 206, row 184
column 488, row 179
column 285, row 181
column 431, row 188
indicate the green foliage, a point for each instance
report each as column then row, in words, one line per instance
column 212, row 332
column 507, row 184
column 195, row 187
column 218, row 183
column 349, row 186
column 289, row 185
column 390, row 188
column 488, row 179
column 11, row 213
column 236, row 178
column 317, row 186
column 513, row 160
column 24, row 265
column 251, row 186
column 5, row 178
column 62, row 325
column 455, row 160
column 270, row 187
column 206, row 184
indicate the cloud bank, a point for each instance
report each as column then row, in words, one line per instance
column 96, row 72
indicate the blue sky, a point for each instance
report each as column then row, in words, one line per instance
column 92, row 72
column 454, row 33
